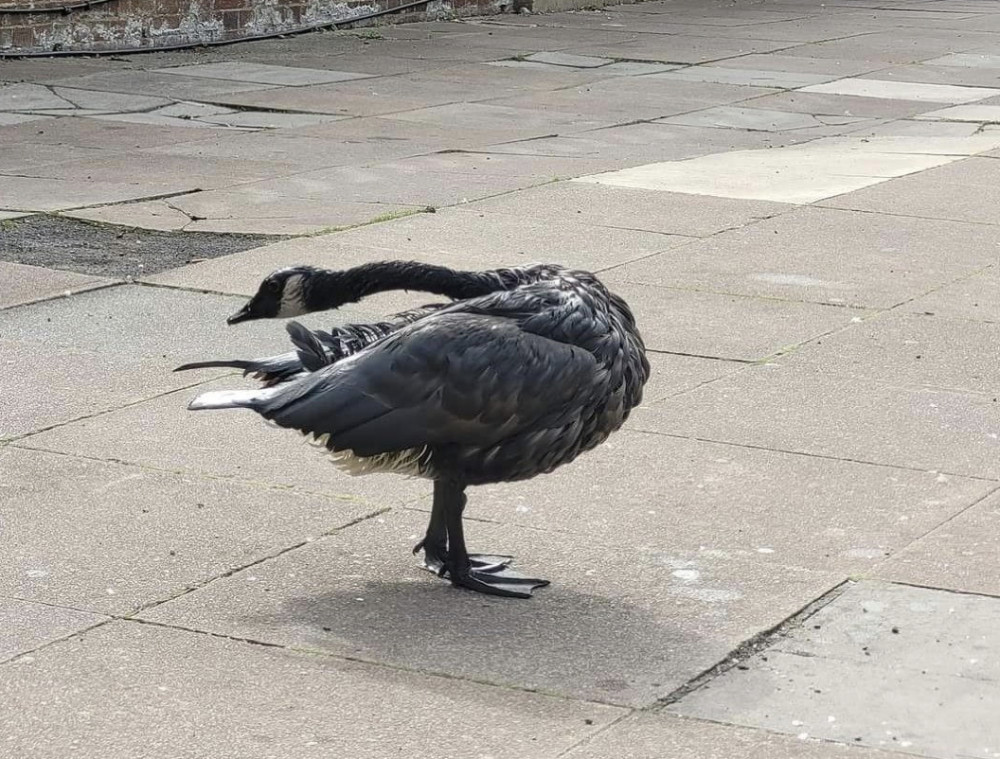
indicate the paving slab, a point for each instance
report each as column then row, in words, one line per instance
column 930, row 74
column 962, row 191
column 910, row 427
column 885, row 666
column 630, row 99
column 973, row 297
column 136, row 684
column 712, row 501
column 108, row 101
column 464, row 238
column 912, row 350
column 150, row 83
column 655, row 735
column 230, row 445
column 158, row 119
column 568, row 59
column 958, row 555
column 732, row 117
column 825, row 104
column 29, row 97
column 891, row 46
column 25, row 284
column 97, row 134
column 44, row 194
column 24, row 626
column 106, row 348
column 724, row 326
column 680, row 48
column 259, row 73
column 749, row 77
column 110, row 538
column 797, row 64
column 797, row 174
column 153, row 214
column 894, row 90
column 635, row 144
column 673, row 374
column 967, row 60
column 983, row 114
column 8, row 119
column 627, row 208
column 365, row 97
column 628, row 622
column 170, row 171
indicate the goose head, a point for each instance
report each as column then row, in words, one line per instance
column 283, row 293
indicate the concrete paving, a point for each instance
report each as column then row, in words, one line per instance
column 789, row 552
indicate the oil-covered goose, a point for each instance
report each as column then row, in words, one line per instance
column 528, row 368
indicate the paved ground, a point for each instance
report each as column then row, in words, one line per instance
column 791, row 551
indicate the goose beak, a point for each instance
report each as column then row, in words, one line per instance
column 240, row 316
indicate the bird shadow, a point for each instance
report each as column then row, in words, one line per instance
column 561, row 641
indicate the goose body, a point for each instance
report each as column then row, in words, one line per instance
column 532, row 367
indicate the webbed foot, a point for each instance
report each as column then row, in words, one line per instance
column 498, row 581
column 436, row 559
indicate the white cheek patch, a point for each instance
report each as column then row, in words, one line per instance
column 292, row 299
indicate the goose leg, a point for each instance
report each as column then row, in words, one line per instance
column 497, row 579
column 435, row 540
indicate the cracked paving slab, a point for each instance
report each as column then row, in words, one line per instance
column 886, row 666
column 24, row 626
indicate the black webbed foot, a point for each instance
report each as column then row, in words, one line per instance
column 501, row 581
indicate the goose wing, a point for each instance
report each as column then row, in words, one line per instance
column 457, row 378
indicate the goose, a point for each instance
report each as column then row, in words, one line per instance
column 525, row 369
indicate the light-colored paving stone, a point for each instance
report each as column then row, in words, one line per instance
column 798, row 174
column 890, row 90
column 9, row 215
column 653, row 736
column 158, row 119
column 984, row 114
column 259, row 73
column 680, row 48
column 818, row 103
column 750, row 77
column 24, row 626
column 118, row 690
column 962, row 191
column 958, row 555
column 725, row 501
column 147, row 535
column 269, row 119
column 618, row 627
column 25, row 284
column 627, row 208
column 890, row 667
column 791, row 62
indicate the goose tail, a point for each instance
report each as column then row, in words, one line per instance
column 216, row 399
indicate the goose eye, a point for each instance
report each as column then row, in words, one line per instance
column 273, row 286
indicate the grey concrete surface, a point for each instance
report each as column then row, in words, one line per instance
column 892, row 667
column 802, row 202
column 128, row 689
column 609, row 630
column 25, row 284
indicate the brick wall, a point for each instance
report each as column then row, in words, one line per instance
column 151, row 24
